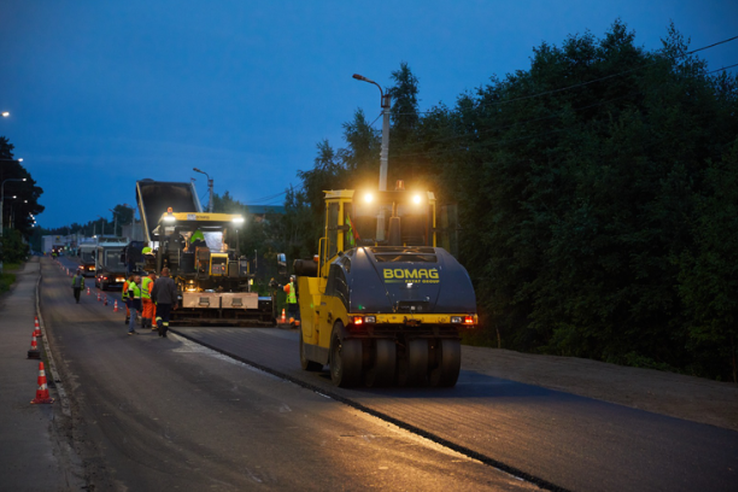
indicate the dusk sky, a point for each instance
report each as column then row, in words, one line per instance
column 105, row 93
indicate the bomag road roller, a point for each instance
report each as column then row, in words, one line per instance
column 380, row 303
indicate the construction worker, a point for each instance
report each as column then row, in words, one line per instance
column 164, row 294
column 126, row 298
column 292, row 307
column 149, row 308
column 134, row 297
column 78, row 283
column 197, row 240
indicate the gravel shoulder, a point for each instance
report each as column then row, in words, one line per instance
column 675, row 395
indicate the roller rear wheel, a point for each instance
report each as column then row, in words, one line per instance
column 382, row 372
column 345, row 358
column 413, row 370
column 448, row 355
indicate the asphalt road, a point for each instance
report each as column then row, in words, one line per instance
column 169, row 414
column 550, row 438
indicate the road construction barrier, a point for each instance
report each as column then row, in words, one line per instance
column 36, row 328
column 42, row 393
column 33, row 352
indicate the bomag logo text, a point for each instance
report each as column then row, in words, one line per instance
column 421, row 275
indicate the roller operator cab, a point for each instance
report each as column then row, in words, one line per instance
column 381, row 304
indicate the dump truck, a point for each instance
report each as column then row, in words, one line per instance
column 381, row 303
column 201, row 252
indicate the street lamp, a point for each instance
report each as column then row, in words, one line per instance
column 210, row 186
column 5, row 114
column 2, row 201
column 385, row 103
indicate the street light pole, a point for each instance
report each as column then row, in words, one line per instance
column 384, row 154
column 210, row 187
column 2, row 201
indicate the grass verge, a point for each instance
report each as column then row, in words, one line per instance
column 8, row 276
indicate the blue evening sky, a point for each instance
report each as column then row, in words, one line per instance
column 104, row 93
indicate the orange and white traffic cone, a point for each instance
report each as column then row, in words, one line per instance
column 284, row 318
column 105, row 300
column 98, row 295
column 42, row 393
column 115, row 306
column 33, row 352
column 36, row 328
column 88, row 291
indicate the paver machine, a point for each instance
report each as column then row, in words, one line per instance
column 201, row 251
column 381, row 304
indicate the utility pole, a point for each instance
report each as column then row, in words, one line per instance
column 210, row 188
column 384, row 154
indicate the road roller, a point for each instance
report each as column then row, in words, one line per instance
column 381, row 304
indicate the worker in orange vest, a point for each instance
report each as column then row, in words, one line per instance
column 149, row 308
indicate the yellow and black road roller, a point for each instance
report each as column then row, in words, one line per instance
column 381, row 304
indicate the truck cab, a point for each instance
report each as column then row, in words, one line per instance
column 110, row 270
column 86, row 254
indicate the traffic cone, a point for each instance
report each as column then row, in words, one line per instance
column 88, row 291
column 105, row 300
column 33, row 352
column 42, row 393
column 284, row 318
column 98, row 295
column 36, row 328
column 115, row 306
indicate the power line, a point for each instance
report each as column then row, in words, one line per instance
column 268, row 198
column 713, row 45
column 724, row 68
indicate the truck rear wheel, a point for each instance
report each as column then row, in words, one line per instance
column 382, row 372
column 307, row 365
column 413, row 370
column 448, row 356
column 345, row 359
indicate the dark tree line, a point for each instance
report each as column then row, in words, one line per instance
column 20, row 204
column 597, row 195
